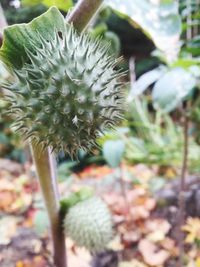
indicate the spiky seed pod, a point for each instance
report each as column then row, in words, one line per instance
column 89, row 224
column 67, row 93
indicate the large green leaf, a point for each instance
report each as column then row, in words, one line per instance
column 61, row 4
column 172, row 88
column 113, row 151
column 160, row 19
column 21, row 36
column 145, row 80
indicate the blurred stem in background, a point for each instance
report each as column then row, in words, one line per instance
column 191, row 32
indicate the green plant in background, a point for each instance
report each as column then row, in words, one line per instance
column 9, row 141
column 61, row 101
column 145, row 136
column 62, row 5
column 100, row 29
column 162, row 22
column 174, row 85
column 150, row 135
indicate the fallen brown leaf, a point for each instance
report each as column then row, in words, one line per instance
column 10, row 166
column 8, row 227
column 151, row 254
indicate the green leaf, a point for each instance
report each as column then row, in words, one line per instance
column 160, row 21
column 145, row 80
column 172, row 88
column 186, row 62
column 19, row 37
column 113, row 151
column 65, row 170
column 4, row 139
column 61, row 4
column 76, row 197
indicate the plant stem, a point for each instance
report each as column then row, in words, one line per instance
column 45, row 168
column 83, row 13
column 183, row 188
column 80, row 16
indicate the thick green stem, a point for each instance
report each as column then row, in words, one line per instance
column 45, row 167
column 80, row 16
column 83, row 12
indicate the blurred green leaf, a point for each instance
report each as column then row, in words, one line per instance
column 21, row 36
column 113, row 151
column 114, row 41
column 64, row 170
column 145, row 80
column 193, row 46
column 186, row 62
column 61, row 4
column 4, row 139
column 161, row 21
column 172, row 88
column 75, row 197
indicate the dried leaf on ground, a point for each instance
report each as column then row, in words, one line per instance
column 8, row 228
column 157, row 229
column 116, row 244
column 79, row 256
column 170, row 245
column 192, row 227
column 133, row 263
column 38, row 261
column 10, row 166
column 151, row 253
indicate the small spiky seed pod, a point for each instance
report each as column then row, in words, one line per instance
column 68, row 93
column 89, row 224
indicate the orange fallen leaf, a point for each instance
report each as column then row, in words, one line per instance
column 138, row 213
column 19, row 264
column 6, row 185
column 150, row 204
column 6, row 200
column 169, row 244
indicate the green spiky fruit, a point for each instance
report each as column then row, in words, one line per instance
column 67, row 93
column 89, row 224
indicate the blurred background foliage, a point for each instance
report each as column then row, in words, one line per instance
column 162, row 53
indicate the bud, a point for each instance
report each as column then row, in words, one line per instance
column 89, row 224
column 67, row 93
